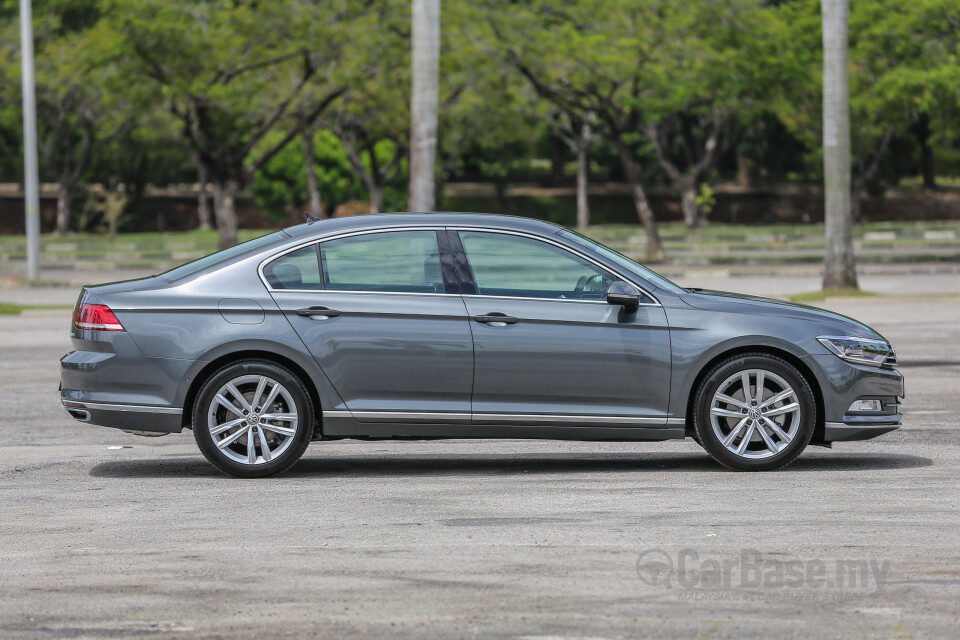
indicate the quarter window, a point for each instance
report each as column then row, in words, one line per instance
column 516, row 266
column 393, row 261
column 296, row 270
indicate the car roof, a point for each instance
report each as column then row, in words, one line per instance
column 383, row 220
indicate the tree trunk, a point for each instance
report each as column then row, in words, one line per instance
column 224, row 208
column 376, row 198
column 203, row 203
column 313, row 190
column 425, row 38
column 688, row 203
column 64, row 195
column 500, row 188
column 927, row 168
column 583, row 206
column 583, row 176
column 744, row 170
column 557, row 151
column 855, row 213
column 644, row 212
column 839, row 267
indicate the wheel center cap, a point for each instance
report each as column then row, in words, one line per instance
column 755, row 414
column 254, row 419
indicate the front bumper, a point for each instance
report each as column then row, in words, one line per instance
column 842, row 431
column 842, row 384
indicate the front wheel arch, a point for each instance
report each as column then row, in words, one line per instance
column 798, row 363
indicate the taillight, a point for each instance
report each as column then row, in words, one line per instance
column 96, row 317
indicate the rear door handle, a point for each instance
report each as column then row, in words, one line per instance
column 320, row 313
column 496, row 319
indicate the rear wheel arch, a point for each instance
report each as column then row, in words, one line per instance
column 215, row 365
column 767, row 350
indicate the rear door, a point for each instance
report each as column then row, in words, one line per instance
column 548, row 348
column 388, row 330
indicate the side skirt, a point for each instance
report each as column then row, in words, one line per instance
column 339, row 425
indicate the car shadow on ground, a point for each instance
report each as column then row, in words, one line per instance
column 506, row 464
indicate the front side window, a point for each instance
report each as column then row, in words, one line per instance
column 296, row 270
column 624, row 262
column 516, row 266
column 390, row 262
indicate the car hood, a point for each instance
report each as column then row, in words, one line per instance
column 724, row 301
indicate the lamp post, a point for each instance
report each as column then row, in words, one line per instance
column 30, row 178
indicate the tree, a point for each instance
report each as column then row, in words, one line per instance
column 577, row 135
column 908, row 49
column 77, row 114
column 280, row 186
column 373, row 120
column 313, row 189
column 839, row 268
column 232, row 73
column 903, row 89
column 590, row 57
column 717, row 60
column 425, row 37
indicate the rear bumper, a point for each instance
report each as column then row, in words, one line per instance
column 126, row 416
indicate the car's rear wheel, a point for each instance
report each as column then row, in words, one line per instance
column 754, row 412
column 253, row 418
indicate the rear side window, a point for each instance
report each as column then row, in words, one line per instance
column 391, row 262
column 296, row 270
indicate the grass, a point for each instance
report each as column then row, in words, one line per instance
column 823, row 294
column 146, row 239
column 10, row 309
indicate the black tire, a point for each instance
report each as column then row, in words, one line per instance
column 291, row 451
column 711, row 442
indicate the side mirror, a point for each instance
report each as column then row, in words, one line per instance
column 624, row 293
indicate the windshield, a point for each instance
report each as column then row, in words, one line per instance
column 220, row 256
column 623, row 261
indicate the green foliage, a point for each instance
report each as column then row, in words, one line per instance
column 705, row 199
column 903, row 62
column 147, row 88
column 282, row 182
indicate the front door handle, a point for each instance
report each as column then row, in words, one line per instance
column 320, row 313
column 496, row 319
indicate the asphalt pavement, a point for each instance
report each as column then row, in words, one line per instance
column 110, row 535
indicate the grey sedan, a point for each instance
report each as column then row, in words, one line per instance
column 417, row 326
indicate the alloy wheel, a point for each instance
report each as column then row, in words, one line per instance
column 755, row 414
column 252, row 419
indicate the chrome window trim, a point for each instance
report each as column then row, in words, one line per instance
column 374, row 293
column 452, row 227
column 347, row 234
column 603, row 302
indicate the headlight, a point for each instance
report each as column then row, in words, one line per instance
column 860, row 350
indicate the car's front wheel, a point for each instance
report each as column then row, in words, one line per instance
column 253, row 418
column 754, row 412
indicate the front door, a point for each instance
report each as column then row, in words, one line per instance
column 375, row 313
column 548, row 349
